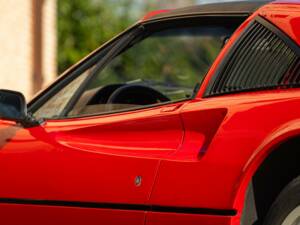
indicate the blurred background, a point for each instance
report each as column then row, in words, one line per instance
column 39, row 39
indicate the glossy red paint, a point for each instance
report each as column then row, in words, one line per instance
column 224, row 160
column 285, row 16
column 49, row 215
column 199, row 153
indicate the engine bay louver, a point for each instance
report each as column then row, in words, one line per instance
column 260, row 60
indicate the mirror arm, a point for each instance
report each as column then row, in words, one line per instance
column 30, row 121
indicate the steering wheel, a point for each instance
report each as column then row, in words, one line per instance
column 136, row 94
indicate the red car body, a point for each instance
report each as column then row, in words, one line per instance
column 183, row 163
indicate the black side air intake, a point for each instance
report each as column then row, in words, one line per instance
column 263, row 58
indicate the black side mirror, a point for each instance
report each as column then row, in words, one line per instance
column 13, row 107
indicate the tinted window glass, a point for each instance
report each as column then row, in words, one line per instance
column 55, row 106
column 166, row 66
column 162, row 65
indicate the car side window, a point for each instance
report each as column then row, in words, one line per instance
column 163, row 65
column 55, row 106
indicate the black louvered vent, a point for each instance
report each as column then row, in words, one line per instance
column 261, row 60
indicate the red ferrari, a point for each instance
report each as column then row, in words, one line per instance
column 191, row 116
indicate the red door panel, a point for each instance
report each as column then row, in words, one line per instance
column 102, row 157
column 49, row 215
column 28, row 164
column 88, row 160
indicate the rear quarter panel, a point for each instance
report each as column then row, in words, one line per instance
column 254, row 122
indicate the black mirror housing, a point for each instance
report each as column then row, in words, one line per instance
column 12, row 105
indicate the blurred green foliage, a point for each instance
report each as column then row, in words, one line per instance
column 83, row 25
column 175, row 61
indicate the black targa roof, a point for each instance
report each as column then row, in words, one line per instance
column 221, row 7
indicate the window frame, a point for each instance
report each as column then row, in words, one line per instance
column 95, row 57
column 73, row 72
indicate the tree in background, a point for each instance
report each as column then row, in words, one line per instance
column 83, row 25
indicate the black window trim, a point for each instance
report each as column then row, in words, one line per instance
column 284, row 37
